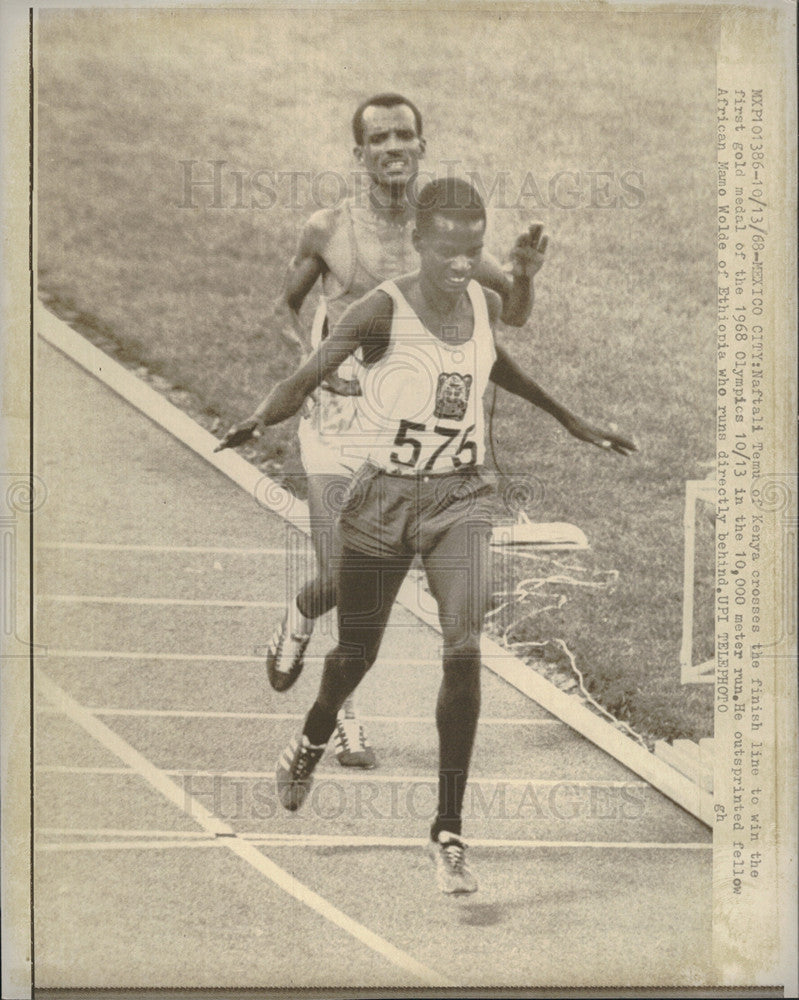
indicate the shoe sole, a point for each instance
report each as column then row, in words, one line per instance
column 281, row 681
column 292, row 804
column 355, row 760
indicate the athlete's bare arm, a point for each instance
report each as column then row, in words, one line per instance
column 509, row 376
column 516, row 290
column 366, row 323
column 307, row 265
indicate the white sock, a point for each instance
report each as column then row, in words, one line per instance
column 348, row 708
column 298, row 624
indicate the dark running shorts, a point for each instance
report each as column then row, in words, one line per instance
column 390, row 515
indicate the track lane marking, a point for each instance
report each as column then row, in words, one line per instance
column 352, row 777
column 75, row 831
column 344, row 842
column 132, row 839
column 78, row 769
column 190, row 602
column 122, row 654
column 190, row 713
column 210, row 549
column 323, row 840
column 125, row 845
column 245, row 850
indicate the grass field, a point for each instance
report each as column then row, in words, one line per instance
column 622, row 327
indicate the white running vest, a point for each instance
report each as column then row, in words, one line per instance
column 422, row 405
column 363, row 250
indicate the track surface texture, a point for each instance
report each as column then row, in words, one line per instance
column 163, row 858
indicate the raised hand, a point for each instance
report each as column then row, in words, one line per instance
column 528, row 252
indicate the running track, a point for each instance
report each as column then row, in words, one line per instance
column 162, row 858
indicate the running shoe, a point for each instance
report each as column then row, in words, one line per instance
column 448, row 854
column 285, row 657
column 353, row 748
column 294, row 772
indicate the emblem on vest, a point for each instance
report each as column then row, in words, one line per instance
column 452, row 395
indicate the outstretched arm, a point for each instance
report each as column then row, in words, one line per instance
column 508, row 375
column 364, row 323
column 515, row 288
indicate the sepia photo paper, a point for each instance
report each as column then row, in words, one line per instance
column 398, row 498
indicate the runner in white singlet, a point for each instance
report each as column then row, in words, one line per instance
column 427, row 347
column 351, row 249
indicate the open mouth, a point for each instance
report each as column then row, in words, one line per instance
column 395, row 167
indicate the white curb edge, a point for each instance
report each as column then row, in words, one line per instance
column 271, row 495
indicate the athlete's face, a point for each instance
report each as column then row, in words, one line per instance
column 391, row 147
column 450, row 250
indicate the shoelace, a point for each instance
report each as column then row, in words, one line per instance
column 343, row 738
column 304, row 764
column 456, row 857
column 343, row 735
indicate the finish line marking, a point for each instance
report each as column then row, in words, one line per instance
column 322, row 840
column 360, row 842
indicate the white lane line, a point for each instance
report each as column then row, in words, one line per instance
column 92, row 599
column 323, row 840
column 122, row 654
column 214, row 550
column 116, row 654
column 75, row 831
column 246, row 851
column 311, row 840
column 126, row 845
column 189, row 713
column 349, row 776
column 76, row 769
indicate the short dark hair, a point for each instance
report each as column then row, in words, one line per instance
column 382, row 101
column 451, row 197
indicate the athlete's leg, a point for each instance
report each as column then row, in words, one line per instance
column 458, row 570
column 285, row 656
column 367, row 587
column 325, row 496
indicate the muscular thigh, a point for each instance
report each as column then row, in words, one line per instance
column 458, row 569
column 367, row 587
